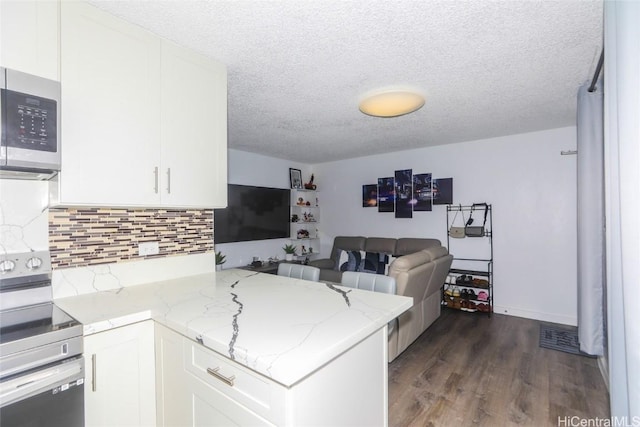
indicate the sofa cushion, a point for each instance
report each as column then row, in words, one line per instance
column 409, row 245
column 324, row 263
column 437, row 252
column 347, row 243
column 383, row 245
column 330, row 275
column 407, row 262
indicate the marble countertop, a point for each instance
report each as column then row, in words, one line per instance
column 280, row 327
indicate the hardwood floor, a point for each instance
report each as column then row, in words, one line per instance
column 469, row 369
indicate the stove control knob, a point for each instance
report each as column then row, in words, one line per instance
column 34, row 263
column 7, row 266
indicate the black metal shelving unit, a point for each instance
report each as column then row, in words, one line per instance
column 467, row 266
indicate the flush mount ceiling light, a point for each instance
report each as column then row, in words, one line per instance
column 391, row 102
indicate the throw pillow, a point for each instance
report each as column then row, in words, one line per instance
column 390, row 260
column 349, row 260
column 374, row 262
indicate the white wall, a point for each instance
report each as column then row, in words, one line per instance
column 254, row 169
column 533, row 192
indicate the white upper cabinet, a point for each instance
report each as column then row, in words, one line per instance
column 110, row 110
column 143, row 120
column 193, row 129
column 29, row 34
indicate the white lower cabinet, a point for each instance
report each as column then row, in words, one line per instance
column 120, row 377
column 199, row 387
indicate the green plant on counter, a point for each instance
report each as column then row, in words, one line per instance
column 289, row 249
column 220, row 258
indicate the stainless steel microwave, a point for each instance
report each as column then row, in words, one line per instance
column 30, row 119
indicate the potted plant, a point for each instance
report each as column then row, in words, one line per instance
column 220, row 259
column 290, row 251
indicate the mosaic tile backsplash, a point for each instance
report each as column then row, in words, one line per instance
column 91, row 236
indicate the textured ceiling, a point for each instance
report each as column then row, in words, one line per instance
column 297, row 68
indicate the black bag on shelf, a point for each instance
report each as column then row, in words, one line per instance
column 472, row 230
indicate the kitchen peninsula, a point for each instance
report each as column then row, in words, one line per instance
column 240, row 347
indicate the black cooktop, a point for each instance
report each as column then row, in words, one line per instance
column 41, row 322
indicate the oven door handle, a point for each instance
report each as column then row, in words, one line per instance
column 59, row 376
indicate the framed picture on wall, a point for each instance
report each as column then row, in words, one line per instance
column 370, row 196
column 295, row 177
column 404, row 193
column 442, row 191
column 386, row 197
column 422, row 192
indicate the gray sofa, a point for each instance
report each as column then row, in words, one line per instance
column 420, row 268
column 419, row 275
column 330, row 267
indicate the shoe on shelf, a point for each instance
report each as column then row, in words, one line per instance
column 464, row 294
column 471, row 294
column 480, row 283
column 456, row 291
column 448, row 290
column 472, row 307
column 483, row 296
column 460, row 279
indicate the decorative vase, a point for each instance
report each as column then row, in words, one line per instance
column 288, row 257
column 218, row 267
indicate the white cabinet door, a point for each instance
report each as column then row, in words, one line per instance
column 172, row 395
column 29, row 34
column 120, row 372
column 110, row 78
column 193, row 129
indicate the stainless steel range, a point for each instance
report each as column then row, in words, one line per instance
column 41, row 363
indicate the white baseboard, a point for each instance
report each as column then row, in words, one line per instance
column 536, row 315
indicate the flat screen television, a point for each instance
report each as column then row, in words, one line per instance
column 252, row 213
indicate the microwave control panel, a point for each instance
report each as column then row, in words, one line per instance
column 31, row 121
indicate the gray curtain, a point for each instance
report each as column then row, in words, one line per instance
column 591, row 243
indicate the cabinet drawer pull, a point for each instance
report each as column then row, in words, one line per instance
column 155, row 173
column 168, row 180
column 94, row 363
column 215, row 372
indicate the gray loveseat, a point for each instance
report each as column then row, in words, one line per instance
column 419, row 266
